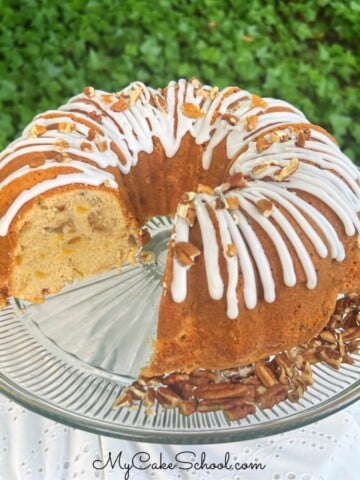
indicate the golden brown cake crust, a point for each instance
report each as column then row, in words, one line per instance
column 198, row 334
column 258, row 166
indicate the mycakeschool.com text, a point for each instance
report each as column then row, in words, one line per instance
column 184, row 460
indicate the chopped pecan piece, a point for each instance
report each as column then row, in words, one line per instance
column 61, row 144
column 341, row 345
column 265, row 207
column 302, row 137
column 86, row 147
column 188, row 407
column 89, row 91
column 150, row 381
column 279, row 136
column 252, row 380
column 97, row 117
column 202, row 377
column 328, row 336
column 242, row 411
column 213, row 92
column 106, row 98
column 281, row 375
column 137, row 391
column 224, row 390
column 195, row 82
column 150, row 397
column 186, row 253
column 167, row 397
column 187, row 197
column 300, row 141
column 251, row 122
column 293, row 395
column 351, row 334
column 231, row 250
column 273, row 395
column 205, row 189
column 145, row 236
column 135, row 95
column 343, row 305
column 124, row 400
column 66, row 127
column 299, row 361
column 214, row 404
column 265, row 374
column 262, row 167
column 331, row 357
column 233, row 202
column 311, row 356
column 119, row 106
column 185, row 390
column 350, row 320
column 102, row 146
column 64, row 158
column 285, row 172
column 174, row 378
column 354, row 346
column 347, row 359
column 234, row 181
column 283, row 360
column 188, row 212
column 306, row 374
column 262, row 144
column 192, row 111
column 257, row 101
column 202, row 92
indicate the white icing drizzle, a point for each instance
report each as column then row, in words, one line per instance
column 211, row 250
column 96, row 129
column 329, row 196
column 283, row 153
column 279, row 244
column 336, row 246
column 103, row 159
column 232, row 266
column 258, row 255
column 42, row 187
column 81, row 166
column 271, row 192
column 179, row 284
column 293, row 238
column 246, row 266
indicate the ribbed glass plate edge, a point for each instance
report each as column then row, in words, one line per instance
column 73, row 379
column 231, row 434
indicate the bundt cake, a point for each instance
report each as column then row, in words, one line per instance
column 265, row 205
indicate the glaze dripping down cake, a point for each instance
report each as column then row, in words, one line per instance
column 265, row 205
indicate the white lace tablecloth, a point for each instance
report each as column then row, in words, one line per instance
column 35, row 448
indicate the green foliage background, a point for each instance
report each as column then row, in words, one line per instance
column 306, row 52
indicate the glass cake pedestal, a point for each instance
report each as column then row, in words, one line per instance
column 70, row 357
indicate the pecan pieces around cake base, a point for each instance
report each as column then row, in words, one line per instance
column 238, row 392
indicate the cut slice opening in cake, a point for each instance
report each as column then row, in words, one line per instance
column 70, row 235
